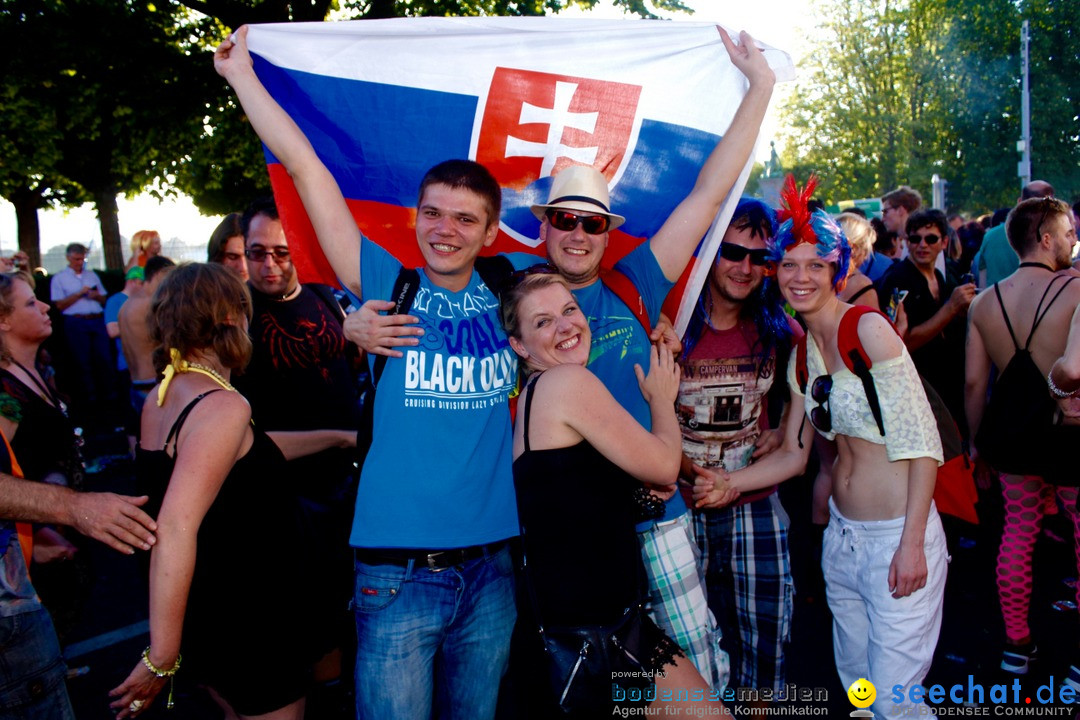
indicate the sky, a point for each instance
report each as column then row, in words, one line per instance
column 784, row 24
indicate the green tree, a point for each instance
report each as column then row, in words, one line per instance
column 117, row 93
column 899, row 90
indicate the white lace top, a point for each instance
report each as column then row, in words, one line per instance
column 910, row 428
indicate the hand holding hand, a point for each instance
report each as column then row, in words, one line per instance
column 713, row 488
column 378, row 334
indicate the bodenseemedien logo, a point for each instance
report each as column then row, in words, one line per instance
column 862, row 694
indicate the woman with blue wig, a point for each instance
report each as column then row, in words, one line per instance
column 884, row 555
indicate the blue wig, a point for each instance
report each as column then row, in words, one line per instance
column 801, row 225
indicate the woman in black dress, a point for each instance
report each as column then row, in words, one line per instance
column 229, row 567
column 578, row 458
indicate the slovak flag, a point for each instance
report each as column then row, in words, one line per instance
column 382, row 101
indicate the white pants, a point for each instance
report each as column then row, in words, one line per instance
column 889, row 641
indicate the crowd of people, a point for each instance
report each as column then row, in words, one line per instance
column 619, row 544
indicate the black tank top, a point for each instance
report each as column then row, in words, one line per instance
column 577, row 525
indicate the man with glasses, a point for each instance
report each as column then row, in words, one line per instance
column 897, row 206
column 301, row 377
column 936, row 305
column 996, row 258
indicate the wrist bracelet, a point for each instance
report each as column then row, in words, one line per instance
column 1055, row 389
column 158, row 672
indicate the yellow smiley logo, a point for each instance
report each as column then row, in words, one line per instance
column 862, row 693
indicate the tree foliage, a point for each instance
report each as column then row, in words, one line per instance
column 116, row 92
column 898, row 90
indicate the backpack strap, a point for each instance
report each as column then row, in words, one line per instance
column 1008, row 323
column 495, row 271
column 404, row 292
column 856, row 359
column 802, row 373
column 1040, row 312
column 326, row 294
column 626, row 291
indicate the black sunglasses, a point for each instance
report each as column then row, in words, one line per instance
column 735, row 253
column 1048, row 204
column 567, row 221
column 539, row 269
column 929, row 239
column 821, row 417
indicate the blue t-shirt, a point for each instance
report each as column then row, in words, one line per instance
column 438, row 474
column 112, row 314
column 619, row 341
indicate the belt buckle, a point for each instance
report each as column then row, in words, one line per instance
column 430, row 561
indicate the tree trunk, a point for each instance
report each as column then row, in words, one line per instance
column 27, row 202
column 105, row 200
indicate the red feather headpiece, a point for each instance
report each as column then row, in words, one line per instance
column 793, row 206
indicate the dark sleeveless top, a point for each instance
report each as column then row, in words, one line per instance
column 45, row 442
column 249, row 591
column 577, row 525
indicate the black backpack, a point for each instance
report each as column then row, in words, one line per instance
column 1018, row 434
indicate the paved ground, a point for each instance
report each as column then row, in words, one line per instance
column 108, row 634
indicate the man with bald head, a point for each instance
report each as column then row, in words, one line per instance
column 996, row 259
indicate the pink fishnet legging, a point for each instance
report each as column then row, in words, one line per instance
column 1026, row 499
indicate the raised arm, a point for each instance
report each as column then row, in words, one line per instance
column 674, row 243
column 210, row 443
column 322, row 198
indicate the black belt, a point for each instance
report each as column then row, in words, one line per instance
column 431, row 559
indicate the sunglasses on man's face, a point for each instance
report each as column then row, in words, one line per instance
column 567, row 221
column 929, row 239
column 736, row 253
column 258, row 254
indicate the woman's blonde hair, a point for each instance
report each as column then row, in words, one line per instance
column 198, row 306
column 860, row 234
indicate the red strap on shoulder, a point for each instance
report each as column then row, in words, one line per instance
column 847, row 339
column 802, row 373
column 626, row 291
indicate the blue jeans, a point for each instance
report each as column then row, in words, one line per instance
column 32, row 672
column 429, row 638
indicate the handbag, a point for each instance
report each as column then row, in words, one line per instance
column 583, row 660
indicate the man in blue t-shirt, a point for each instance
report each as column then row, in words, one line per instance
column 435, row 503
column 575, row 226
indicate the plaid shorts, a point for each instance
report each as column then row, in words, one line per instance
column 677, row 596
column 747, row 570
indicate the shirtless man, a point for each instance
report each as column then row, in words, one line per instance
column 135, row 331
column 1041, row 232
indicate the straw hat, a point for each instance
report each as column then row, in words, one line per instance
column 580, row 189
